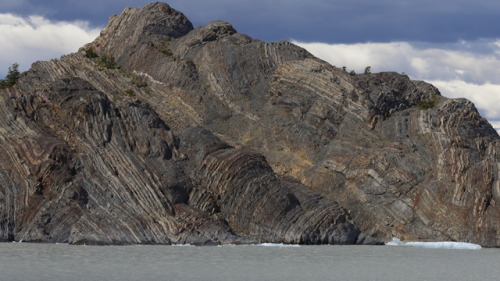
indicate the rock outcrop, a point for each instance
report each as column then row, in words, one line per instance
column 205, row 135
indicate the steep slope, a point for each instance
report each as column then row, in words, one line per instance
column 204, row 135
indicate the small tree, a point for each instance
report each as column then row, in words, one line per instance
column 107, row 61
column 12, row 77
column 368, row 70
column 90, row 53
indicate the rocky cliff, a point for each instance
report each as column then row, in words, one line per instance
column 158, row 132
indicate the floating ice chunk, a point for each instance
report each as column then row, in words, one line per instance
column 227, row 245
column 394, row 242
column 435, row 245
column 277, row 245
column 182, row 245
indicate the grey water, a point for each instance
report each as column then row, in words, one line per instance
column 26, row 261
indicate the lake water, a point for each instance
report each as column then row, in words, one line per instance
column 26, row 261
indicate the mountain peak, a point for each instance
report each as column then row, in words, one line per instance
column 208, row 136
column 134, row 25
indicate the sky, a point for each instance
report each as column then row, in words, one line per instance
column 453, row 44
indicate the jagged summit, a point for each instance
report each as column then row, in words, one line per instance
column 158, row 132
column 130, row 29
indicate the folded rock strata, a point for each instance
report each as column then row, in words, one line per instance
column 205, row 136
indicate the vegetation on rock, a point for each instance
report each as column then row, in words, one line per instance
column 107, row 62
column 429, row 102
column 11, row 78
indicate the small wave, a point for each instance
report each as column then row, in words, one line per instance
column 436, row 245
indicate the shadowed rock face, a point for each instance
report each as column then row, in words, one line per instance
column 208, row 136
column 81, row 169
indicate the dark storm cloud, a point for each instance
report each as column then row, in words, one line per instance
column 314, row 20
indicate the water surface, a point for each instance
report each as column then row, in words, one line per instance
column 26, row 261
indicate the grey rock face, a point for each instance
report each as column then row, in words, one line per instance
column 205, row 135
column 84, row 170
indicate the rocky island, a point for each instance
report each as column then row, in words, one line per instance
column 161, row 133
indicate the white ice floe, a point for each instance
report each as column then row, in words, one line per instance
column 277, row 245
column 260, row 245
column 182, row 245
column 435, row 245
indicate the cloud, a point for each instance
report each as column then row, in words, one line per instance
column 28, row 39
column 14, row 4
column 395, row 56
column 324, row 20
column 351, row 21
column 475, row 62
column 485, row 96
column 496, row 125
